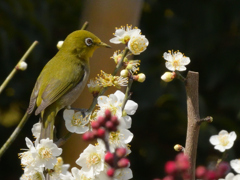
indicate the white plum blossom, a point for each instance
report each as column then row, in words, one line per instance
column 117, row 56
column 75, row 122
column 94, row 86
column 123, row 174
column 137, row 44
column 36, row 130
column 59, row 169
column 79, row 175
column 120, row 138
column 34, row 175
column 132, row 65
column 110, row 103
column 92, row 160
column 28, row 158
column 230, row 176
column 123, row 35
column 176, row 61
column 114, row 104
column 47, row 152
column 223, row 140
column 106, row 80
column 67, row 176
column 235, row 164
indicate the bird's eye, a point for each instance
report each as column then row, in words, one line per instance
column 88, row 41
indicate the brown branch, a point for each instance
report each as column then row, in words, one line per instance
column 193, row 119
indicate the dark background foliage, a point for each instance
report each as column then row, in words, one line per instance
column 206, row 31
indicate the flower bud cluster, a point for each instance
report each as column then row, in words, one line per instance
column 131, row 67
column 116, row 160
column 178, row 168
column 101, row 125
column 210, row 174
column 100, row 129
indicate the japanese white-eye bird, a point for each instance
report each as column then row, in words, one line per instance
column 63, row 78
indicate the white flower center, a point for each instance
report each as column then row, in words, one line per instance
column 113, row 109
column 83, row 177
column 223, row 140
column 45, row 153
column 37, row 176
column 125, row 39
column 175, row 63
column 114, row 138
column 79, row 121
column 138, row 44
column 58, row 166
column 26, row 158
column 93, row 159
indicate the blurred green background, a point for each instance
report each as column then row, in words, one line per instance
column 206, row 31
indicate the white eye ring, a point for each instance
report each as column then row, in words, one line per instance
column 88, row 41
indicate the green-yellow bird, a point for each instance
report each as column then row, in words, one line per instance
column 63, row 78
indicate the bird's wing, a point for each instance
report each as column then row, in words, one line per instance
column 57, row 87
column 33, row 98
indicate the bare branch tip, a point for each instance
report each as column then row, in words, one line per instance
column 207, row 119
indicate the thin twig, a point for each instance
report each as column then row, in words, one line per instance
column 127, row 93
column 208, row 119
column 14, row 134
column 85, row 25
column 63, row 140
column 10, row 76
column 179, row 76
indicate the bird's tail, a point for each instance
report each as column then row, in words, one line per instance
column 47, row 121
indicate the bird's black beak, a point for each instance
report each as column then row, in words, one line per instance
column 102, row 44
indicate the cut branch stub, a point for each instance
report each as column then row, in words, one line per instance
column 191, row 86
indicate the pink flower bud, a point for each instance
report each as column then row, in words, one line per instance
column 101, row 132
column 170, row 167
column 87, row 136
column 109, row 125
column 211, row 175
column 101, row 120
column 168, row 178
column 115, row 120
column 182, row 162
column 222, row 169
column 110, row 172
column 121, row 152
column 95, row 124
column 95, row 133
column 122, row 163
column 109, row 158
column 114, row 129
column 201, row 171
column 108, row 114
